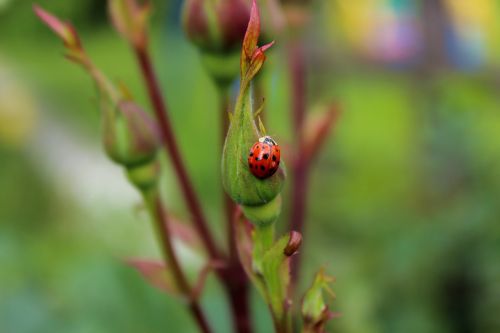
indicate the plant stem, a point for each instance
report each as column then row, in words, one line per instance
column 232, row 274
column 160, row 217
column 238, row 288
column 263, row 238
column 168, row 137
column 229, row 206
column 300, row 167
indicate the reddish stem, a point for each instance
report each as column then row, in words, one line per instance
column 238, row 290
column 229, row 206
column 161, row 220
column 300, row 167
column 233, row 275
column 168, row 137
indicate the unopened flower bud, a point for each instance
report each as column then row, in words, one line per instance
column 216, row 26
column 130, row 135
column 238, row 181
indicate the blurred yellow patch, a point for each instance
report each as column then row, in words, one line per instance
column 18, row 114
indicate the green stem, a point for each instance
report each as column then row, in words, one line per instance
column 263, row 238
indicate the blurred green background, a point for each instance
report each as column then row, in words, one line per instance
column 404, row 204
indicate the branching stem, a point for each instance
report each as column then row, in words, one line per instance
column 160, row 218
column 233, row 276
column 170, row 142
column 300, row 167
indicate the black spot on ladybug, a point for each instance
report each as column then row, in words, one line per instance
column 251, row 154
column 251, row 165
column 274, row 157
column 263, row 168
column 266, row 156
column 257, row 158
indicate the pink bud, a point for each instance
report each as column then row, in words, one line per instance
column 216, row 26
column 293, row 243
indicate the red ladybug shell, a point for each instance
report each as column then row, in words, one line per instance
column 264, row 158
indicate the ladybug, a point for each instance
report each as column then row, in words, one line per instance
column 264, row 157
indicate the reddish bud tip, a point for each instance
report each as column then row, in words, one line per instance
column 130, row 17
column 64, row 30
column 293, row 243
column 253, row 31
column 252, row 57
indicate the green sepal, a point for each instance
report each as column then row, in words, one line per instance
column 264, row 214
column 145, row 176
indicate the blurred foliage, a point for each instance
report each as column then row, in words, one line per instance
column 404, row 206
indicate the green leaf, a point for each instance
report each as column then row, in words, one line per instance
column 315, row 310
column 276, row 275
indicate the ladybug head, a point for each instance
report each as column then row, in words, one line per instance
column 267, row 139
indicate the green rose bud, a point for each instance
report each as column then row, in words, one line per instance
column 258, row 197
column 216, row 26
column 240, row 184
column 129, row 134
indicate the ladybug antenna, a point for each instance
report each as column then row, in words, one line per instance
column 260, row 109
column 262, row 129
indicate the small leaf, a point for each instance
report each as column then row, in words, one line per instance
column 276, row 273
column 156, row 274
column 315, row 311
column 184, row 232
column 257, row 61
column 110, row 95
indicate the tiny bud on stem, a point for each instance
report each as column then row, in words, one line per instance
column 293, row 243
